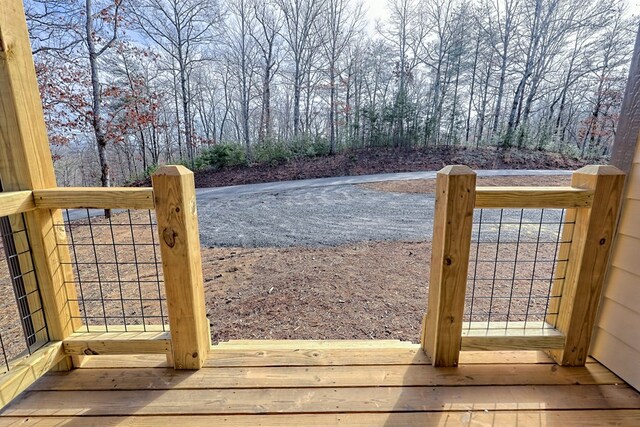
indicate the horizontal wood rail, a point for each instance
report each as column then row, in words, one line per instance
column 495, row 336
column 102, row 343
column 533, row 197
column 94, row 198
column 550, row 341
column 16, row 202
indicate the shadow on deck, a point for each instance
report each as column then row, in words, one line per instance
column 328, row 383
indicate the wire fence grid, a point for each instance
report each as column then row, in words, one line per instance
column 516, row 268
column 117, row 270
column 23, row 328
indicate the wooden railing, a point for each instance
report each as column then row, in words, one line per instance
column 187, row 342
column 592, row 204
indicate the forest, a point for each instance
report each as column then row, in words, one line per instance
column 127, row 85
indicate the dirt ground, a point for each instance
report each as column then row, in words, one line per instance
column 364, row 291
column 369, row 290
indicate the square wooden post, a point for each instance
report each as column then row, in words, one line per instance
column 453, row 221
column 588, row 257
column 25, row 164
column 175, row 200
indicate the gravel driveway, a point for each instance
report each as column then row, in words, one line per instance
column 322, row 216
column 335, row 211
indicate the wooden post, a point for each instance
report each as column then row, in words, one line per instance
column 25, row 164
column 175, row 200
column 588, row 258
column 453, row 220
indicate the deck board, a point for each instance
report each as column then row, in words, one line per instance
column 295, row 383
column 317, row 400
column 480, row 418
column 323, row 376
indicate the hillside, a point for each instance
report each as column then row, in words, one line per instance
column 379, row 160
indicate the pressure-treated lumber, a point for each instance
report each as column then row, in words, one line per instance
column 175, row 201
column 118, row 343
column 453, row 220
column 316, row 400
column 27, row 371
column 314, row 344
column 625, row 417
column 533, row 197
column 94, row 198
column 25, row 164
column 408, row 392
column 324, row 376
column 493, row 336
column 512, row 342
column 220, row 357
column 593, row 234
column 122, row 328
column 15, row 202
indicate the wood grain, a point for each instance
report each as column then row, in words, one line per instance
column 175, row 201
column 15, row 202
column 118, row 343
column 219, row 357
column 595, row 229
column 324, row 376
column 533, row 197
column 94, row 198
column 453, row 220
column 315, row 400
column 627, row 417
column 524, row 342
column 28, row 371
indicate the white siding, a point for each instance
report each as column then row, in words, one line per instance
column 616, row 341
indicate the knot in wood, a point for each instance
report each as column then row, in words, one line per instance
column 448, row 261
column 603, row 241
column 194, row 354
column 169, row 237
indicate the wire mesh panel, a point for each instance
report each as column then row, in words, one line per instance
column 23, row 328
column 516, row 270
column 117, row 269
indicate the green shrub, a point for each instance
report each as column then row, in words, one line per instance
column 150, row 170
column 222, row 156
column 318, row 148
column 273, row 152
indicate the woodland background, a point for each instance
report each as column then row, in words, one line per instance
column 130, row 84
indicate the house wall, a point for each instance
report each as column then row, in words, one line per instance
column 616, row 342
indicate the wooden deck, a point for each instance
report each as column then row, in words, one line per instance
column 391, row 383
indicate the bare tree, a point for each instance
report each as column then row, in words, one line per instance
column 405, row 31
column 241, row 52
column 266, row 33
column 299, row 16
column 109, row 16
column 341, row 24
column 500, row 22
column 182, row 29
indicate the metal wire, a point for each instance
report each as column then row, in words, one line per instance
column 514, row 265
column 117, row 271
column 23, row 327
